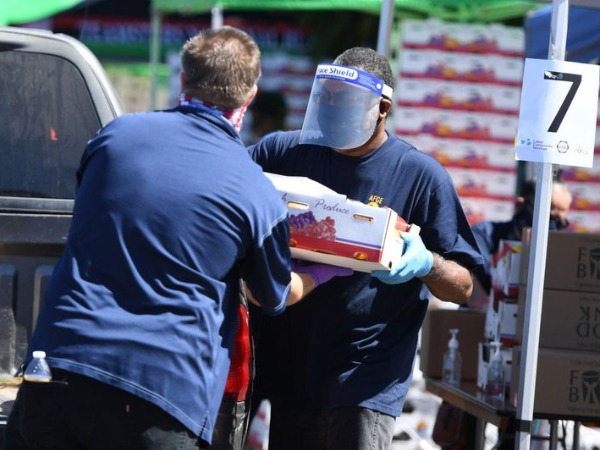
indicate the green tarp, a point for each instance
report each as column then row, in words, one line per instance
column 14, row 12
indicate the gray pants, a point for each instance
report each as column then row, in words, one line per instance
column 350, row 428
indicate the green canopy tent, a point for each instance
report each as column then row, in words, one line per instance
column 482, row 11
column 452, row 10
column 457, row 10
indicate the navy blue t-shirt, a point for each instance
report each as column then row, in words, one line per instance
column 169, row 214
column 352, row 341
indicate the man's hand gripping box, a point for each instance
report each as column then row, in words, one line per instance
column 327, row 227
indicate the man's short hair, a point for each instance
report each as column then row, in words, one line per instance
column 221, row 66
column 369, row 60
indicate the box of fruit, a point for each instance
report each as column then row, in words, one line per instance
column 327, row 227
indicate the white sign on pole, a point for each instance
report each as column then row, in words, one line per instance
column 559, row 104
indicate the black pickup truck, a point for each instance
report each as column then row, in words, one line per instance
column 55, row 97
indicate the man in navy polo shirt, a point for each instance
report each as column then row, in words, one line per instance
column 139, row 316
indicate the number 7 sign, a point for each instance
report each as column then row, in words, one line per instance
column 558, row 114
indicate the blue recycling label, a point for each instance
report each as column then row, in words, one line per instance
column 350, row 75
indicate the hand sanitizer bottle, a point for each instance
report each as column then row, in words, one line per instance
column 452, row 361
column 38, row 369
column 495, row 386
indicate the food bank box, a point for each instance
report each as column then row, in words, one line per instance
column 327, row 227
column 570, row 319
column 567, row 382
column 572, row 261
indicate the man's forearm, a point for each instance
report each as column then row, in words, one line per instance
column 302, row 285
column 449, row 281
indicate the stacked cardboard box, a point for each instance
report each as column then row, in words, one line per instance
column 567, row 383
column 568, row 370
column 459, row 92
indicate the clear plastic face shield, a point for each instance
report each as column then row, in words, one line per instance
column 343, row 108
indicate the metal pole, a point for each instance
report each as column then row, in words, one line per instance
column 537, row 257
column 155, row 31
column 386, row 17
column 216, row 17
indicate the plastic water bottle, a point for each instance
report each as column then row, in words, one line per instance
column 38, row 370
column 452, row 361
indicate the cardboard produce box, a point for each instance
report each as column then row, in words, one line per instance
column 508, row 310
column 572, row 261
column 327, row 227
column 506, row 268
column 567, row 382
column 570, row 319
column 435, row 335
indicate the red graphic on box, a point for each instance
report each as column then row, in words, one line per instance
column 584, row 203
column 442, row 71
column 475, row 102
column 471, row 131
column 305, row 224
column 320, row 236
column 445, row 42
column 470, row 160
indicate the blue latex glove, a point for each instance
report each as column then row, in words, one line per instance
column 321, row 273
column 416, row 262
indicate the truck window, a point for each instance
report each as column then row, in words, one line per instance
column 46, row 118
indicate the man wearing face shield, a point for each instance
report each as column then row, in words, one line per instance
column 338, row 367
column 343, row 111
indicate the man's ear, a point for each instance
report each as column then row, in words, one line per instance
column 251, row 95
column 385, row 106
column 181, row 81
